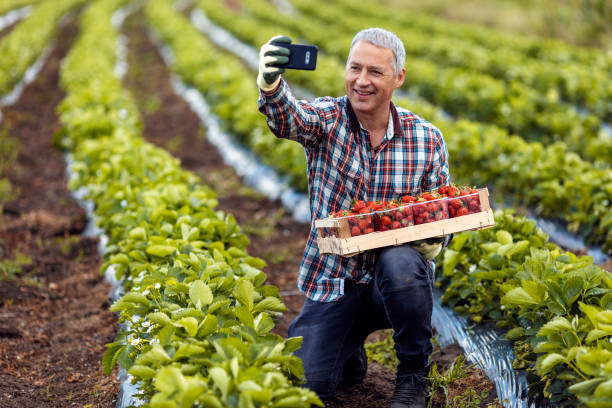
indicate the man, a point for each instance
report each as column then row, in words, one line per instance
column 360, row 146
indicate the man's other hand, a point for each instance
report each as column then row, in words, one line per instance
column 270, row 56
column 429, row 248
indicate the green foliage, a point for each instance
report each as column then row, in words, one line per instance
column 10, row 268
column 198, row 315
column 230, row 89
column 440, row 381
column 20, row 48
column 556, row 305
column 9, row 149
column 383, row 352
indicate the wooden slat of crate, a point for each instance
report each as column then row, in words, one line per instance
column 354, row 245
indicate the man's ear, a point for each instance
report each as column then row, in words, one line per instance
column 399, row 80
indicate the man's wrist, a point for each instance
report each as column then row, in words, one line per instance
column 273, row 93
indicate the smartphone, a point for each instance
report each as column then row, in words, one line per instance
column 301, row 57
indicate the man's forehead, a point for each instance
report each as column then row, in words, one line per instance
column 364, row 52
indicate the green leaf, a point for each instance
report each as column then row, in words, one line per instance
column 138, row 233
column 550, row 361
column 190, row 324
column 591, row 361
column 160, row 250
column 289, row 402
column 503, row 237
column 490, row 246
column 142, row 371
column 220, row 379
column 159, row 318
column 586, row 387
column 572, row 288
column 156, row 355
column 169, row 380
column 263, row 323
column 604, row 390
column 243, row 291
column 518, row 296
column 200, row 294
column 515, row 334
column 208, row 326
column 451, row 259
column 595, row 335
column 244, row 315
column 558, row 324
column 270, row 304
column 187, row 350
column 110, row 357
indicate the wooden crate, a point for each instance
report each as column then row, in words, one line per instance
column 344, row 245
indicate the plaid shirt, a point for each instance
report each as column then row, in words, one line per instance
column 343, row 165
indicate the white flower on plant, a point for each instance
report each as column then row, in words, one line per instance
column 135, row 319
column 157, row 285
column 154, row 341
column 146, row 324
column 135, row 342
column 146, row 292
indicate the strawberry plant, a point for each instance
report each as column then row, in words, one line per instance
column 197, row 314
column 553, row 304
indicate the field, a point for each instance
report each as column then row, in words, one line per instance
column 132, row 238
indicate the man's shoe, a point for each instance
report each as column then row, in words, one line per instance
column 410, row 392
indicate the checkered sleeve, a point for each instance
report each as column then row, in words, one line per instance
column 299, row 120
column 438, row 174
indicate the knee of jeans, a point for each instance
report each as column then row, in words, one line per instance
column 400, row 267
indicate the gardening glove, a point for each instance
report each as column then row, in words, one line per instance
column 269, row 56
column 429, row 248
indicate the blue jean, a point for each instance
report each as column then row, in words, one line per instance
column 400, row 297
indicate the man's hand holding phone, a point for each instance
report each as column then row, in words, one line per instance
column 279, row 54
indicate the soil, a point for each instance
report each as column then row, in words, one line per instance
column 9, row 28
column 54, row 317
column 274, row 235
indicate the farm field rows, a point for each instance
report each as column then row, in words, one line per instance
column 209, row 266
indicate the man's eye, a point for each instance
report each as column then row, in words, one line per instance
column 376, row 73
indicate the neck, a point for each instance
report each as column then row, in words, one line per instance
column 374, row 122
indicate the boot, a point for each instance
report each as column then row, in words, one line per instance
column 411, row 391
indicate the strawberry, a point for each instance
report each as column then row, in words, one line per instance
column 358, row 205
column 408, row 199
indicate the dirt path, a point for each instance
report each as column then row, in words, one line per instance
column 274, row 235
column 54, row 317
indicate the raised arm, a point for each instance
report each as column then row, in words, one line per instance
column 302, row 121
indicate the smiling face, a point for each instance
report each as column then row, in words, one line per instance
column 370, row 80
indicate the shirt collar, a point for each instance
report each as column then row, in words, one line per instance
column 393, row 129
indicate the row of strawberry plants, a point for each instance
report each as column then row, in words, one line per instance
column 557, row 307
column 465, row 93
column 229, row 88
column 552, row 179
column 198, row 315
column 576, row 82
column 538, row 48
column 20, row 48
column 8, row 5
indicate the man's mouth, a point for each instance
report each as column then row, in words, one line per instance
column 363, row 93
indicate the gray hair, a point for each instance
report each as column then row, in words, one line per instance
column 383, row 39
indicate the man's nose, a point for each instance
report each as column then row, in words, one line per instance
column 363, row 78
